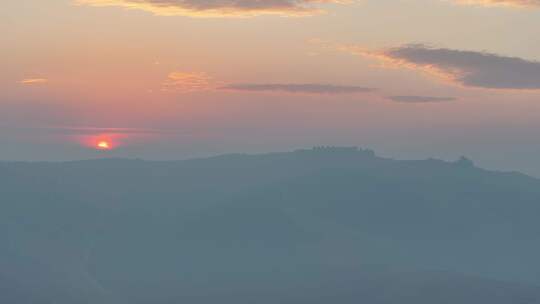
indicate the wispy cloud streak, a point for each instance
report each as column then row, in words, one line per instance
column 188, row 82
column 30, row 81
column 220, row 8
column 307, row 88
column 466, row 68
column 506, row 3
column 419, row 99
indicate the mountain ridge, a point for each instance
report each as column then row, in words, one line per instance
column 136, row 231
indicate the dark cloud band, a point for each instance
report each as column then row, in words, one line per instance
column 420, row 99
column 467, row 68
column 310, row 88
column 219, row 8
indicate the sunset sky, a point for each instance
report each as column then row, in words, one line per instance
column 173, row 79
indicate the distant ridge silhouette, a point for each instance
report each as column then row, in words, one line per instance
column 285, row 227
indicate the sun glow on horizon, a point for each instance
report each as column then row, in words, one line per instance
column 103, row 145
column 116, row 139
column 101, row 142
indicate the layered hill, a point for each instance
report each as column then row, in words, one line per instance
column 292, row 227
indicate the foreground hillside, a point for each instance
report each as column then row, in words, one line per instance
column 299, row 227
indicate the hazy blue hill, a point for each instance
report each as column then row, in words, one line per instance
column 292, row 227
column 12, row 292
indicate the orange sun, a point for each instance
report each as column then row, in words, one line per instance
column 101, row 142
column 103, row 145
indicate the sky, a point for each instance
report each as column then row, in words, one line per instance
column 176, row 79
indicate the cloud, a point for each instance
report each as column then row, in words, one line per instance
column 185, row 82
column 467, row 68
column 188, row 82
column 307, row 88
column 419, row 99
column 508, row 3
column 191, row 82
column 30, row 81
column 219, row 8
